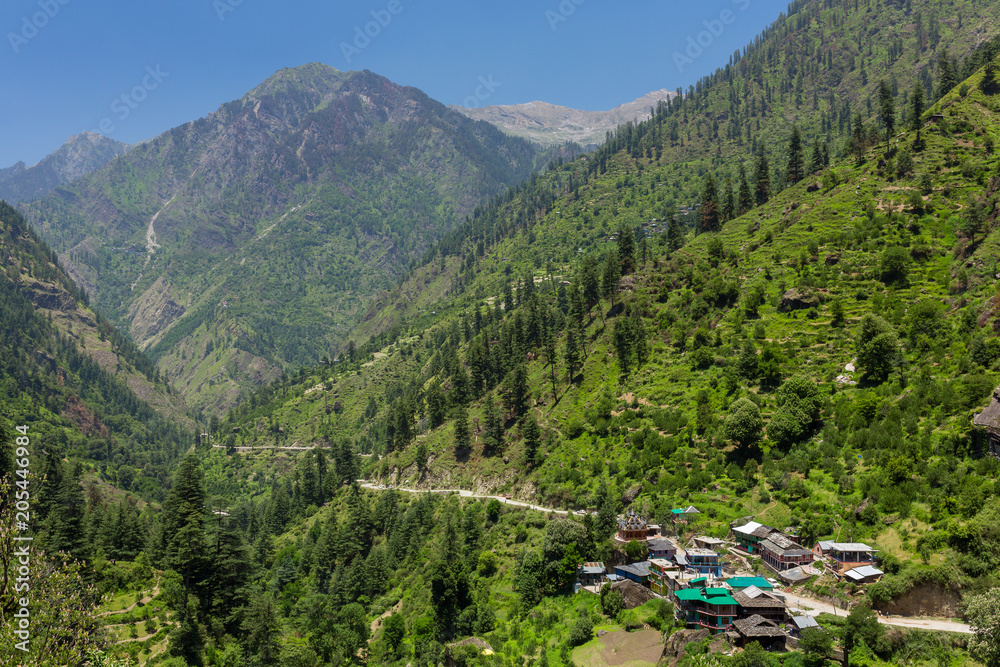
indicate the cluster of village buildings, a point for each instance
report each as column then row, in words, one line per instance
column 705, row 597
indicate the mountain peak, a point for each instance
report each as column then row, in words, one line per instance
column 79, row 155
column 550, row 124
column 311, row 77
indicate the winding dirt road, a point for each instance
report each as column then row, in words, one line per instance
column 466, row 494
column 813, row 607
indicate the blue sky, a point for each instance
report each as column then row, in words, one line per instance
column 65, row 64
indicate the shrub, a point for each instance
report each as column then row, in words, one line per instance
column 582, row 630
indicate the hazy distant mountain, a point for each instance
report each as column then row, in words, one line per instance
column 550, row 124
column 80, row 155
column 249, row 242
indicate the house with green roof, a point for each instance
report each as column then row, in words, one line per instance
column 712, row 609
column 741, row 583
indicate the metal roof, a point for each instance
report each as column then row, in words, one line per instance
column 803, row 622
column 851, row 546
column 714, row 596
column 660, row 543
column 744, row 582
column 640, row 569
column 748, row 528
column 864, row 572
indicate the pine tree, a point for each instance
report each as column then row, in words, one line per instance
column 532, row 439
column 887, row 110
column 186, row 640
column 609, row 278
column 516, row 391
column 745, row 200
column 816, row 159
column 229, row 574
column 729, row 203
column 183, row 545
column 494, row 426
column 262, row 632
column 462, row 440
column 626, row 249
column 551, row 357
column 65, row 523
column 708, row 217
column 947, row 76
column 989, row 83
column 622, row 337
column 917, row 106
column 6, row 451
column 591, row 281
column 795, row 159
column 675, row 235
column 572, row 355
column 762, row 177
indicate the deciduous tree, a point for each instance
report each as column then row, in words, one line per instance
column 983, row 612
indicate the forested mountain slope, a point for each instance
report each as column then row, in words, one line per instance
column 246, row 242
column 816, row 68
column 82, row 388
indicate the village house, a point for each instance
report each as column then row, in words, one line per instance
column 844, row 556
column 705, row 542
column 660, row 571
column 750, row 535
column 704, row 561
column 672, row 580
column 661, row 547
column 637, row 572
column 780, row 552
column 800, row 623
column 822, row 548
column 755, row 601
column 712, row 609
column 758, row 629
column 866, row 574
column 590, row 574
